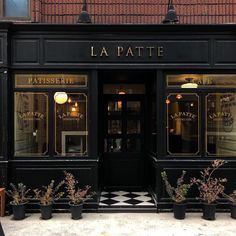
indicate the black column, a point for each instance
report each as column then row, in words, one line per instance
column 4, row 128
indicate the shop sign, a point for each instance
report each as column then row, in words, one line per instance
column 183, row 116
column 73, row 115
column 127, row 51
column 31, row 115
column 50, row 80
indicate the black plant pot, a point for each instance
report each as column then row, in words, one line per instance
column 76, row 211
column 179, row 210
column 209, row 211
column 233, row 210
column 18, row 211
column 1, row 230
column 46, row 211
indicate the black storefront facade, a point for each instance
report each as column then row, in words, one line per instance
column 127, row 115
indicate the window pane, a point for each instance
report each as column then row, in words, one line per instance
column 113, row 145
column 114, row 107
column 183, row 127
column 114, row 126
column 221, row 131
column 203, row 80
column 71, row 125
column 133, row 107
column 31, row 124
column 133, row 127
column 16, row 8
column 133, row 144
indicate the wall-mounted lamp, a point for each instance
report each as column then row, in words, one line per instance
column 189, row 83
column 84, row 16
column 60, row 97
column 171, row 16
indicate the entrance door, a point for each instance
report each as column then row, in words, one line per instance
column 123, row 141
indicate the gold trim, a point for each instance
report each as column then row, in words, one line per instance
column 83, row 76
column 167, row 133
column 85, row 153
column 201, row 77
column 31, row 154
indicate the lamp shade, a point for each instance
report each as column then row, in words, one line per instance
column 60, row 97
column 190, row 83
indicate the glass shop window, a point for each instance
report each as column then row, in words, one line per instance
column 71, row 125
column 53, row 120
column 220, row 126
column 182, row 124
column 16, row 8
column 31, row 124
column 202, row 81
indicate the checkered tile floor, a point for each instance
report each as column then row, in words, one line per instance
column 126, row 199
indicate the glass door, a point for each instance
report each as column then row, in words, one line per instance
column 123, row 140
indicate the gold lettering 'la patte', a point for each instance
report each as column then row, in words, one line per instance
column 128, row 52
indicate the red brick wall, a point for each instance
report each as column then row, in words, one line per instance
column 135, row 11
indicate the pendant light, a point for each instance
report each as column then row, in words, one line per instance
column 189, row 84
column 60, row 97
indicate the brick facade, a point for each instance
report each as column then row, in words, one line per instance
column 134, row 11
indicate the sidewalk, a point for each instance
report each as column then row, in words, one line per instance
column 120, row 224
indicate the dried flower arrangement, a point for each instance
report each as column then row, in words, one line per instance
column 19, row 193
column 210, row 187
column 48, row 194
column 74, row 193
column 231, row 197
column 179, row 193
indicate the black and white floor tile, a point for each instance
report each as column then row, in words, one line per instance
column 126, row 199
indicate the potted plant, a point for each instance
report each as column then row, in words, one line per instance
column 46, row 196
column 19, row 194
column 232, row 199
column 76, row 195
column 210, row 188
column 178, row 194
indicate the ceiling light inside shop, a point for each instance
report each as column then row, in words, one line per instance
column 60, row 97
column 190, row 83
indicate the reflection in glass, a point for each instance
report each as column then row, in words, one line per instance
column 31, row 124
column 133, row 126
column 113, row 145
column 114, row 107
column 182, row 128
column 133, row 144
column 221, row 132
column 71, row 126
column 133, row 107
column 16, row 8
column 114, row 126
